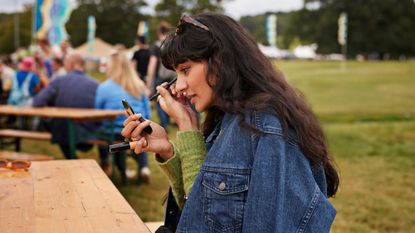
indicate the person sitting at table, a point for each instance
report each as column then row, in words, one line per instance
column 123, row 83
column 25, row 83
column 73, row 90
column 57, row 68
column 6, row 76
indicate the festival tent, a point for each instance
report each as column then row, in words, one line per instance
column 97, row 50
column 275, row 53
column 306, row 51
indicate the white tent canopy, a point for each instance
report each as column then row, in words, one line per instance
column 274, row 52
column 306, row 51
column 99, row 49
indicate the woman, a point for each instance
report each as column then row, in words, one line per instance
column 263, row 156
column 122, row 83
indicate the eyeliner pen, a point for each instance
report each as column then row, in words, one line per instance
column 168, row 85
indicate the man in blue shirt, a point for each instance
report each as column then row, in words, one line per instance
column 73, row 90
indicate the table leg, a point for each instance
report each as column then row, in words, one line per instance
column 111, row 141
column 72, row 139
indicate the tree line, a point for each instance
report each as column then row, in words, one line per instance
column 374, row 27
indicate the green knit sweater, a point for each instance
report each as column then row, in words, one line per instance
column 183, row 167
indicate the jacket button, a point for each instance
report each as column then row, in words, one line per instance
column 222, row 186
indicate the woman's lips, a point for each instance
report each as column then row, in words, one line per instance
column 192, row 99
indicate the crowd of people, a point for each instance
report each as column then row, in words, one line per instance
column 57, row 77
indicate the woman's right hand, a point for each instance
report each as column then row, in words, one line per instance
column 157, row 141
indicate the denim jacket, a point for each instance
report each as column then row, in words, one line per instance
column 256, row 183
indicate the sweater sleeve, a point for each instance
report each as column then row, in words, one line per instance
column 172, row 169
column 192, row 154
column 183, row 167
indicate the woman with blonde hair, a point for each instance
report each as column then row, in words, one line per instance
column 122, row 83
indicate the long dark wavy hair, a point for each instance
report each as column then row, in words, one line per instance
column 244, row 80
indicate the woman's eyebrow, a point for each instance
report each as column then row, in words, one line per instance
column 182, row 65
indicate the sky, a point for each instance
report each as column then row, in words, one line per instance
column 233, row 8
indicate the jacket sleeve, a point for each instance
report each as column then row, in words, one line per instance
column 47, row 96
column 282, row 194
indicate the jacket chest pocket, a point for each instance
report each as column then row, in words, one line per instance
column 224, row 200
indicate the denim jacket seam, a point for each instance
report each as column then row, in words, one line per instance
column 272, row 130
column 240, row 171
column 310, row 211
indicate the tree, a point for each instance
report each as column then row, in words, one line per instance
column 171, row 10
column 256, row 26
column 373, row 26
column 116, row 22
column 7, row 45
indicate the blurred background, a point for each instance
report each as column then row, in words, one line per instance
column 353, row 60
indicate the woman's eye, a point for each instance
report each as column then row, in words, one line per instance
column 185, row 70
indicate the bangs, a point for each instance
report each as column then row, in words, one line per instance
column 191, row 44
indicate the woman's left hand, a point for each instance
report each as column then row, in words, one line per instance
column 176, row 106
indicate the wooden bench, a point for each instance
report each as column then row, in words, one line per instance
column 12, row 155
column 17, row 135
column 14, row 133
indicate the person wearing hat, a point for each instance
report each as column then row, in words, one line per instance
column 25, row 83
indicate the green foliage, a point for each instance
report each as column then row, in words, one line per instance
column 116, row 21
column 382, row 27
column 171, row 11
column 374, row 26
column 7, row 37
column 205, row 5
column 256, row 26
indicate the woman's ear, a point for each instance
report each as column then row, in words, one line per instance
column 212, row 77
column 212, row 80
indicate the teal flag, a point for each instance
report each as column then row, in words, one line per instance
column 91, row 34
column 142, row 29
column 38, row 16
column 271, row 29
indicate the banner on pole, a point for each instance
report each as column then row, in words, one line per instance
column 50, row 18
column 342, row 32
column 91, row 34
column 271, row 29
column 142, row 29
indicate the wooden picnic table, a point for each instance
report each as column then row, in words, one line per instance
column 80, row 114
column 64, row 196
column 74, row 116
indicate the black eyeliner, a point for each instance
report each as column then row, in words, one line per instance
column 168, row 85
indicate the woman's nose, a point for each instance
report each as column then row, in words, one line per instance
column 180, row 84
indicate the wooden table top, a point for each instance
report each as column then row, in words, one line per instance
column 64, row 196
column 57, row 112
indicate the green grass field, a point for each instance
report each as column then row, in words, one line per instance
column 367, row 112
